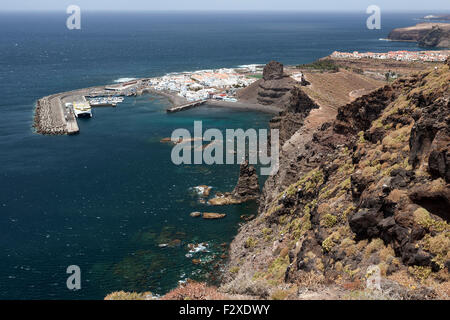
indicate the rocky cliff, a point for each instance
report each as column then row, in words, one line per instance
column 367, row 191
column 437, row 37
column 426, row 34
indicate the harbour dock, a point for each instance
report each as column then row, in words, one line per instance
column 54, row 114
column 186, row 106
column 72, row 124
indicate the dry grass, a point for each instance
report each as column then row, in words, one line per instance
column 334, row 89
column 310, row 280
column 194, row 291
column 122, row 295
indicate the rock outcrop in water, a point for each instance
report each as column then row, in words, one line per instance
column 247, row 188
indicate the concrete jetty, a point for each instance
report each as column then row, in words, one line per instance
column 186, row 106
column 52, row 119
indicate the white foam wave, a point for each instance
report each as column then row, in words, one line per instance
column 121, row 80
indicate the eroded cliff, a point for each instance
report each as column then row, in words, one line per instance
column 369, row 189
column 426, row 34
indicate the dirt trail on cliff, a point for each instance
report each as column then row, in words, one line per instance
column 332, row 90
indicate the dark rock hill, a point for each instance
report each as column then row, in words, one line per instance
column 247, row 186
column 275, row 86
column 436, row 37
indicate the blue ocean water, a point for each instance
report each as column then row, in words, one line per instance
column 106, row 198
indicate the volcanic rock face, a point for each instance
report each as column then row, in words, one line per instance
column 273, row 71
column 437, row 37
column 275, row 85
column 292, row 118
column 247, row 188
column 430, row 136
column 370, row 188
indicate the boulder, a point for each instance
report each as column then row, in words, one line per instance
column 364, row 223
column 203, row 190
column 439, row 159
column 195, row 214
column 212, row 215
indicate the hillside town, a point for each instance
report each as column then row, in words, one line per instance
column 425, row 56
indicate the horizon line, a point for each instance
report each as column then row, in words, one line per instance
column 430, row 11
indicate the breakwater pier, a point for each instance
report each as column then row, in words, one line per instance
column 50, row 117
column 55, row 114
column 186, row 106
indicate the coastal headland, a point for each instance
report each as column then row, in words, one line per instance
column 428, row 34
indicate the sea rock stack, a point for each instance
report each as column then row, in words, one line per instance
column 247, row 188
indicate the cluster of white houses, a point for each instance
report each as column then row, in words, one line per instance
column 218, row 84
column 426, row 56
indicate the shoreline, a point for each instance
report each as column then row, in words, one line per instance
column 174, row 99
column 52, row 118
column 244, row 106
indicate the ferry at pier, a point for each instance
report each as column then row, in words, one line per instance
column 82, row 110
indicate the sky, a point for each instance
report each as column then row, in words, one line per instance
column 432, row 6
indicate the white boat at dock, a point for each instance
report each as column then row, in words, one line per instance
column 82, row 110
column 105, row 101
